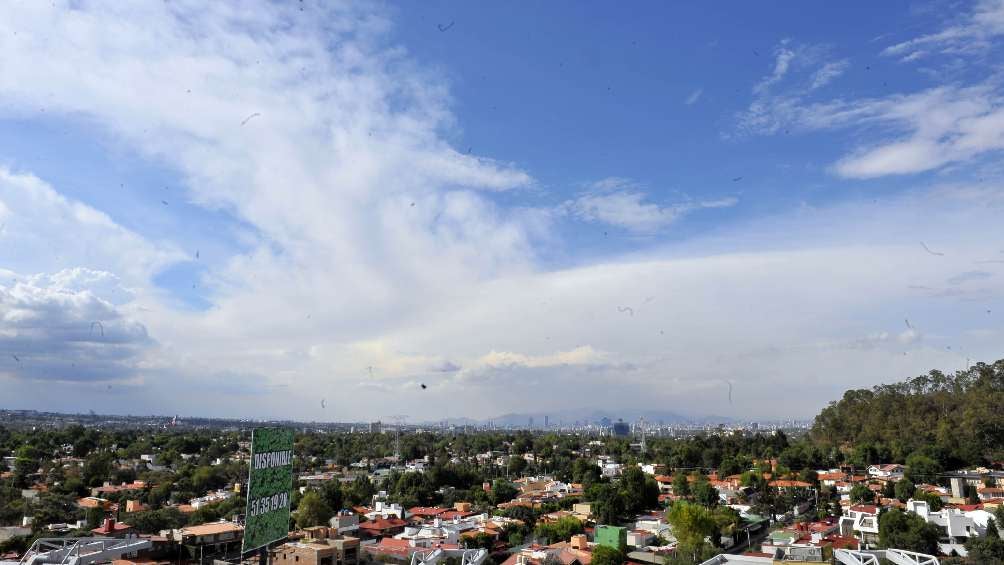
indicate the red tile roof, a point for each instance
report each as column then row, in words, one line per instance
column 382, row 524
column 790, row 484
column 426, row 511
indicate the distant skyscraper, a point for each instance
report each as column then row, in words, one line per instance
column 622, row 428
column 545, row 421
column 531, row 422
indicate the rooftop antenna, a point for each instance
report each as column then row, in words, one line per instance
column 641, row 425
column 399, row 420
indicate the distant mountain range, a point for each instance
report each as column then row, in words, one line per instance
column 589, row 416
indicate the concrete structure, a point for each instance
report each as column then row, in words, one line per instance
column 215, row 539
column 323, row 547
column 211, row 498
column 112, row 529
column 81, row 551
column 612, row 536
column 345, row 522
column 887, row 471
column 861, row 522
column 956, row 526
column 621, row 429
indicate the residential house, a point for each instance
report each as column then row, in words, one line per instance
column 344, row 522
column 956, row 525
column 887, row 471
column 381, row 528
column 322, row 546
column 220, row 540
column 112, row 529
column 861, row 522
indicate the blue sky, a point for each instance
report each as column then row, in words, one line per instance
column 520, row 206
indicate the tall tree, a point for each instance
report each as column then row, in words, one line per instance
column 313, row 510
column 901, row 530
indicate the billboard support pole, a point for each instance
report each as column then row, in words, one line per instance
column 263, row 556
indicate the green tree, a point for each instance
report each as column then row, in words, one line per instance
column 97, row 469
column 985, row 550
column 921, row 468
column 729, row 466
column 313, row 510
column 561, row 530
column 904, row 489
column 704, row 493
column 860, row 493
column 332, row 494
column 901, row 530
column 681, row 484
column 53, row 507
column 691, row 523
column 608, row 504
column 603, row 555
column 503, row 491
column 517, row 465
column 153, row 521
column 639, row 491
column 934, row 501
column 95, row 516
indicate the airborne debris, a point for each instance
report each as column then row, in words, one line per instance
column 446, row 27
column 928, row 249
column 907, row 320
column 164, row 202
column 100, row 327
column 249, row 118
column 424, row 387
column 627, row 309
column 737, row 179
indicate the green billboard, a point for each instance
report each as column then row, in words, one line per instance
column 270, row 483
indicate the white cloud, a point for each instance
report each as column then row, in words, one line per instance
column 911, row 133
column 974, row 34
column 621, row 202
column 694, row 97
column 44, row 231
column 343, row 273
column 55, row 328
column 783, row 57
column 828, row 72
column 932, row 128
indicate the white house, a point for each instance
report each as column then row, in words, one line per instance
column 887, row 471
column 386, row 510
column 861, row 522
column 956, row 526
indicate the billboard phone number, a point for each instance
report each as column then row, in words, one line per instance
column 267, row 504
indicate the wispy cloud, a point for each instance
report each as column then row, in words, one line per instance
column 622, row 203
column 694, row 97
column 828, row 73
column 909, row 133
column 975, row 33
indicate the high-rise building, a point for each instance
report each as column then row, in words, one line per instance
column 545, row 421
column 531, row 422
column 621, row 428
column 375, row 427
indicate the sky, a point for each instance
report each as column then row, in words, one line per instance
column 309, row 210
